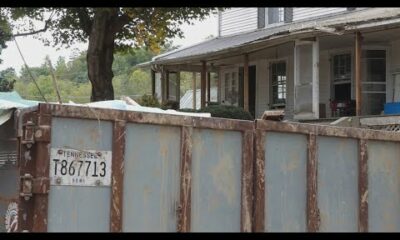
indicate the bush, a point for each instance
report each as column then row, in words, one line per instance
column 223, row 111
column 170, row 105
column 148, row 101
column 188, row 110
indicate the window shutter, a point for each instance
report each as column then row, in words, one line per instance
column 261, row 18
column 288, row 15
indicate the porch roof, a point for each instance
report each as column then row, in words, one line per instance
column 337, row 24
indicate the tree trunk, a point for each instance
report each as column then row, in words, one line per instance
column 100, row 54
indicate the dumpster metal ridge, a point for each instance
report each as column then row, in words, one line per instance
column 144, row 117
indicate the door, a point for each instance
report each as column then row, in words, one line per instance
column 252, row 88
column 373, row 82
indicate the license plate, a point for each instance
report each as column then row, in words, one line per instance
column 80, row 167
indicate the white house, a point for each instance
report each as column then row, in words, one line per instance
column 312, row 62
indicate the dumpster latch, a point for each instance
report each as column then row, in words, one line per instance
column 32, row 186
column 28, row 134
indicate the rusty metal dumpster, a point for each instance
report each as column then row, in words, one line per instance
column 100, row 170
column 81, row 169
column 326, row 179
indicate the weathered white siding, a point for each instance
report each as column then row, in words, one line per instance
column 304, row 13
column 236, row 20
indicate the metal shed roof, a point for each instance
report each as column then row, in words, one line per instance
column 336, row 24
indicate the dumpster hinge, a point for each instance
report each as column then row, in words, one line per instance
column 31, row 185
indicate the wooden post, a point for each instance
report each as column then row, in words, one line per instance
column 178, row 88
column 194, row 90
column 208, row 87
column 162, row 79
column 246, row 83
column 153, row 83
column 203, row 84
column 357, row 64
column 167, row 84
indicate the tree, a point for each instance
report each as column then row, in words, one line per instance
column 107, row 30
column 5, row 32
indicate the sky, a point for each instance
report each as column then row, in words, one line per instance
column 34, row 50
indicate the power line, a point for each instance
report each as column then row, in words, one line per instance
column 54, row 81
column 29, row 71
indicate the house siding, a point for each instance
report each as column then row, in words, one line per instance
column 305, row 13
column 236, row 20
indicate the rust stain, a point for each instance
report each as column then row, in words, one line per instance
column 363, row 186
column 259, row 188
column 184, row 208
column 118, row 152
column 313, row 215
column 246, row 210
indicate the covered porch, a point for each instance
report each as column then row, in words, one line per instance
column 312, row 72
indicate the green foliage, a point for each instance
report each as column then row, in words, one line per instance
column 223, row 111
column 5, row 32
column 132, row 27
column 148, row 101
column 126, row 27
column 188, row 110
column 74, row 83
column 170, row 104
column 7, row 80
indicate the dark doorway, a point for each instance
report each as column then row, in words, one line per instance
column 252, row 89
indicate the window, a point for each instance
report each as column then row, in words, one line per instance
column 278, row 15
column 234, row 89
column 231, row 88
column 227, row 90
column 342, row 77
column 278, row 84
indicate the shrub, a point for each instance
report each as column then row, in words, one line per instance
column 148, row 101
column 188, row 110
column 223, row 111
column 170, row 105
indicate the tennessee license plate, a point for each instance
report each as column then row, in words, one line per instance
column 80, row 167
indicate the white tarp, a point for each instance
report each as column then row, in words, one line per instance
column 9, row 101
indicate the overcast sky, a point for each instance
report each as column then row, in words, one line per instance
column 34, row 50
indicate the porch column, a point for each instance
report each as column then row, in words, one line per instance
column 163, row 83
column 357, row 59
column 167, row 84
column 194, row 90
column 178, row 88
column 203, row 84
column 246, row 83
column 208, row 87
column 153, row 83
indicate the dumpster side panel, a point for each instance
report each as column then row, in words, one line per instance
column 9, row 177
column 338, row 184
column 8, row 196
column 216, row 181
column 384, row 186
column 80, row 208
column 285, row 182
column 151, row 178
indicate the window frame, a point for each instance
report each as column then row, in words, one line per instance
column 282, row 19
column 274, row 104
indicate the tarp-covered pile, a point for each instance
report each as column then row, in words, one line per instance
column 9, row 101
